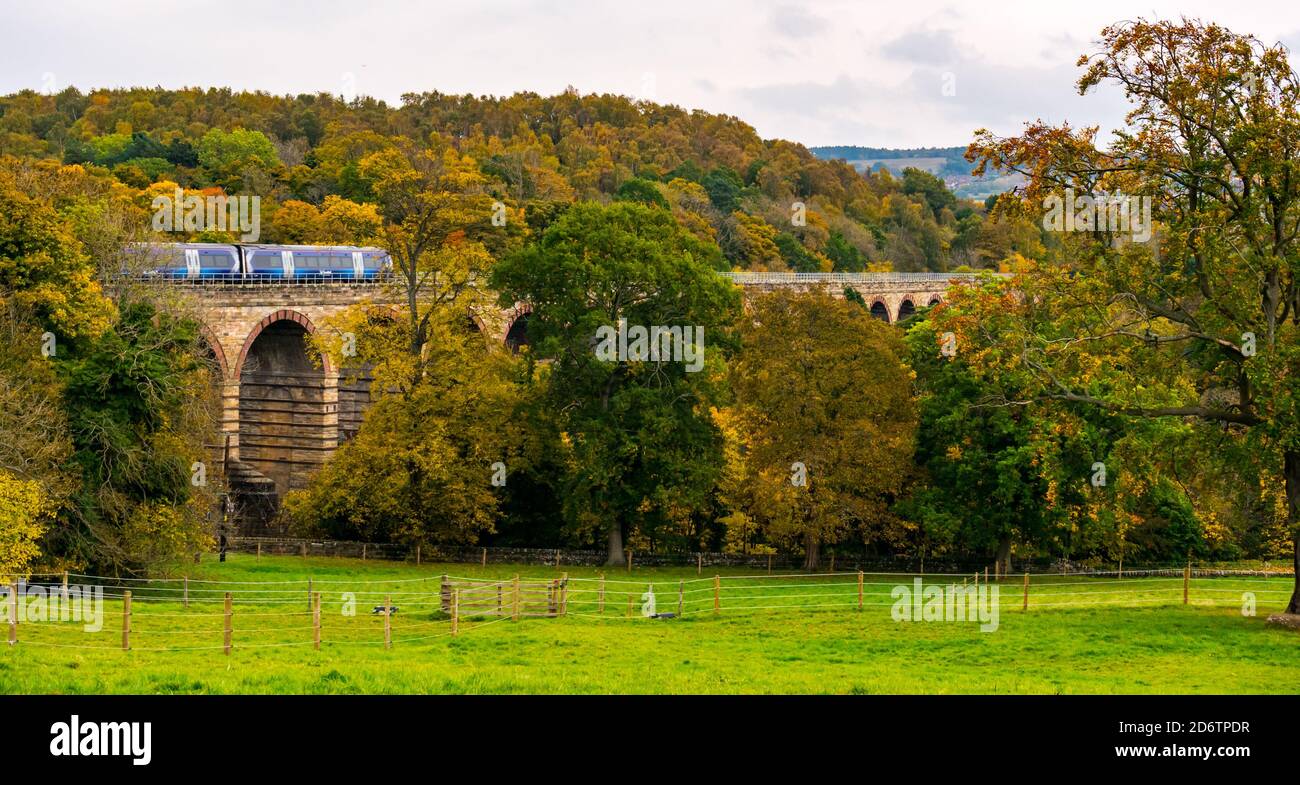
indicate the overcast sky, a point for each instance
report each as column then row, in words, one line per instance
column 867, row 73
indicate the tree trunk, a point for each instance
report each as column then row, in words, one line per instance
column 1004, row 555
column 813, row 547
column 1291, row 470
column 616, row 557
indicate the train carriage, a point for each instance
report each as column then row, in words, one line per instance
column 185, row 261
column 211, row 261
column 315, row 263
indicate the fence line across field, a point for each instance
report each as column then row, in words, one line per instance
column 456, row 598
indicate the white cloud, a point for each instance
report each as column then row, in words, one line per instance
column 829, row 72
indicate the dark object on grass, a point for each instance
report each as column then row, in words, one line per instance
column 664, row 616
column 1291, row 620
column 380, row 609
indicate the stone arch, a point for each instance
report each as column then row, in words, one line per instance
column 282, row 315
column 906, row 308
column 288, row 405
column 477, row 323
column 213, row 345
column 517, row 330
column 935, row 299
column 880, row 310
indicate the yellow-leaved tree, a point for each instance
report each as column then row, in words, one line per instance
column 824, row 402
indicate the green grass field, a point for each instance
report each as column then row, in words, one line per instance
column 772, row 635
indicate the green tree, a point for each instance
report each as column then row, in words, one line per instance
column 642, row 446
column 140, row 407
column 984, row 485
column 930, row 188
column 643, row 191
column 227, row 154
column 845, row 256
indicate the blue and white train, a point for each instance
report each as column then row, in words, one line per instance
column 215, row 262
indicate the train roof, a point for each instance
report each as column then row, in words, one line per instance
column 262, row 246
column 269, row 247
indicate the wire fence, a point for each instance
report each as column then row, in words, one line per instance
column 72, row 611
column 841, row 559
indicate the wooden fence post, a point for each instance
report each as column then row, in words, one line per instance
column 1187, row 579
column 363, row 551
column 444, row 595
column 13, row 613
column 455, row 611
column 309, row 593
column 126, row 621
column 187, row 591
column 769, row 564
column 986, row 576
column 516, row 597
column 832, row 562
column 388, row 621
column 681, row 593
column 629, row 560
column 483, row 561
column 417, row 556
column 699, row 564
column 1121, row 565
column 859, row 589
column 564, row 595
column 259, row 551
column 315, row 621
column 629, row 606
column 717, row 593
column 602, row 594
column 65, row 585
column 229, row 623
column 1026, row 607
column 500, row 604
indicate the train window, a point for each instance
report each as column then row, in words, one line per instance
column 266, row 260
column 220, row 260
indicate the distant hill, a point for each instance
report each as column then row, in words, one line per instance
column 944, row 162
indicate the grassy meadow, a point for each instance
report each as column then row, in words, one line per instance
column 771, row 635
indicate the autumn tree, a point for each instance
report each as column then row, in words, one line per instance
column 34, row 441
column 439, row 228
column 1201, row 320
column 824, row 403
column 44, row 266
column 420, row 468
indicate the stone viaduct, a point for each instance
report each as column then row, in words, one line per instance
column 283, row 415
